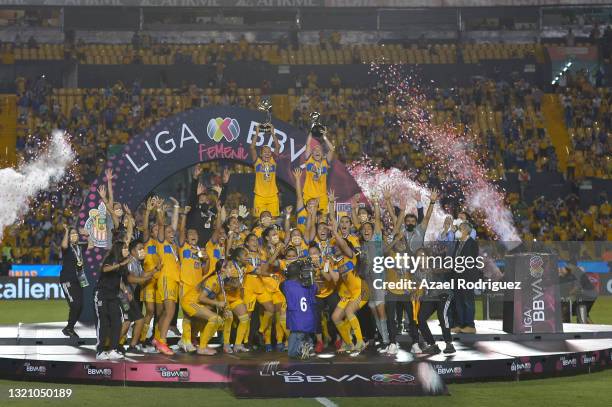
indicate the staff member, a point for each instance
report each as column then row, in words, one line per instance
column 72, row 267
column 107, row 302
column 465, row 306
column 302, row 316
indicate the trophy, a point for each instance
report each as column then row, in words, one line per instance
column 316, row 128
column 266, row 106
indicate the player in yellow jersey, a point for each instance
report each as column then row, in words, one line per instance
column 345, row 225
column 295, row 239
column 167, row 293
column 361, row 214
column 266, row 190
column 234, row 232
column 211, row 300
column 352, row 291
column 272, row 276
column 194, row 261
column 152, row 262
column 265, row 221
column 254, row 290
column 321, row 238
column 317, row 168
column 215, row 247
column 237, row 266
column 327, row 298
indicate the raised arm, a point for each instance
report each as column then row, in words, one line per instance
column 419, row 206
column 330, row 147
column 388, row 205
column 106, row 195
column 253, row 146
column 195, row 183
column 66, row 237
column 224, row 181
column 150, row 207
column 218, row 222
column 299, row 200
column 109, row 182
column 432, row 202
column 355, row 210
column 130, row 224
column 377, row 222
column 402, row 215
column 331, row 205
column 161, row 220
column 308, row 146
column 276, row 151
column 182, row 234
column 311, row 220
column 175, row 213
column 288, row 211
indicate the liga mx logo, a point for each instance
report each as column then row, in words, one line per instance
column 219, row 128
column 536, row 266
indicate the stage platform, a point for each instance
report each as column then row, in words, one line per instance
column 49, row 333
column 41, row 352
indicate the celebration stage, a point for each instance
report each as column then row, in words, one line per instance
column 39, row 352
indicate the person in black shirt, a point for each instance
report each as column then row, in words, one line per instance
column 132, row 282
column 434, row 300
column 465, row 307
column 203, row 203
column 72, row 268
column 107, row 302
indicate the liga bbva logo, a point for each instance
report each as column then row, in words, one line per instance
column 219, row 129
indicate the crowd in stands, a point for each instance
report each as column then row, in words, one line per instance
column 145, row 49
column 506, row 118
column 588, row 118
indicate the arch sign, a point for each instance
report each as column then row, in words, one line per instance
column 188, row 138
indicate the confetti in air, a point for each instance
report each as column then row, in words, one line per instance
column 19, row 186
column 450, row 149
column 373, row 181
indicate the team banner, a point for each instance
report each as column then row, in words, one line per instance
column 274, row 379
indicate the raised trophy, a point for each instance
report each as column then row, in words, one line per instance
column 266, row 106
column 316, row 127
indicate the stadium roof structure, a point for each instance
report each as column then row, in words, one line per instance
column 299, row 3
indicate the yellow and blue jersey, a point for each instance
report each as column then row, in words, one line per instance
column 315, row 184
column 265, row 177
column 191, row 265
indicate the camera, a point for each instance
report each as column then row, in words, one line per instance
column 301, row 270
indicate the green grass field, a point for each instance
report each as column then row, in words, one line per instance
column 584, row 390
column 592, row 390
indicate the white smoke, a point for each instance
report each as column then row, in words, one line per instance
column 373, row 181
column 18, row 186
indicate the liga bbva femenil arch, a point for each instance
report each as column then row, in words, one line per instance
column 185, row 139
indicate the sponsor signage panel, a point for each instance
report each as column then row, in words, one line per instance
column 274, row 379
column 35, row 270
column 27, row 288
column 536, row 307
